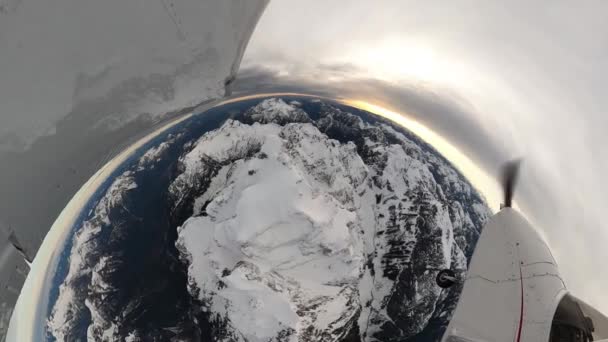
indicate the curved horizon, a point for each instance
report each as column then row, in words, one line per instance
column 38, row 281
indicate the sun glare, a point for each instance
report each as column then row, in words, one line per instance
column 478, row 177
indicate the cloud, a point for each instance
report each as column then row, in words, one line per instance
column 497, row 79
column 443, row 111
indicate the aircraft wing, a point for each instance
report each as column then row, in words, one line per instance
column 81, row 79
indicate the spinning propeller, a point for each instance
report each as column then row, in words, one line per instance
column 509, row 173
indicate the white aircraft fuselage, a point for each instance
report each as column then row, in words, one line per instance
column 513, row 291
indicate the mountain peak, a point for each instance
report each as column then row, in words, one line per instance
column 275, row 110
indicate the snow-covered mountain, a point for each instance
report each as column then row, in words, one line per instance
column 293, row 221
column 88, row 266
column 321, row 230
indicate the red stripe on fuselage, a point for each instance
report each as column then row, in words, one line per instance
column 521, row 309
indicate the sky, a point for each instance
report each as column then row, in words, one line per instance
column 497, row 79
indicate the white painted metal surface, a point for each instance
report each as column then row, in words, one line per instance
column 512, row 288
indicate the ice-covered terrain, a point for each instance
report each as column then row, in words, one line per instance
column 280, row 220
column 277, row 230
column 299, row 236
